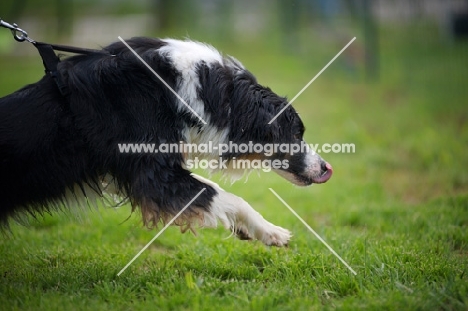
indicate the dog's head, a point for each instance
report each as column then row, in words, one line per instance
column 238, row 110
column 273, row 131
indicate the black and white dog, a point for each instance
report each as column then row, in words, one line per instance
column 55, row 148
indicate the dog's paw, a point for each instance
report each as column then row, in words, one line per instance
column 242, row 233
column 273, row 235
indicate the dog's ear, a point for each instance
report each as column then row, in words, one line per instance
column 254, row 107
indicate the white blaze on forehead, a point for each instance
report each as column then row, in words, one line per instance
column 185, row 56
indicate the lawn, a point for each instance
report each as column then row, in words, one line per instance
column 396, row 210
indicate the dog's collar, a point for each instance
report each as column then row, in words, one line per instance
column 47, row 52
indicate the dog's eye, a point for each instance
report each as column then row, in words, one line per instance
column 298, row 136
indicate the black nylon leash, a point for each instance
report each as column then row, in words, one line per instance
column 47, row 52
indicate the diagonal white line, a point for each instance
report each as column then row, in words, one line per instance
column 312, row 230
column 162, row 80
column 160, row 232
column 313, row 79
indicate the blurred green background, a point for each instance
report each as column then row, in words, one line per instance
column 399, row 93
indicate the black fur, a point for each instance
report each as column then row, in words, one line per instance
column 49, row 144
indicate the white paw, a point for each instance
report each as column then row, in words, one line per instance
column 272, row 235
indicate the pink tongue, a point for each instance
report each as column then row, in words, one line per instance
column 325, row 176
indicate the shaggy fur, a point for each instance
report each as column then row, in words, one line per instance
column 55, row 149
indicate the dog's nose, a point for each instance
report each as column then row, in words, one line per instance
column 324, row 167
column 326, row 171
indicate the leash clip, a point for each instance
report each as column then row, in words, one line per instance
column 47, row 52
column 19, row 34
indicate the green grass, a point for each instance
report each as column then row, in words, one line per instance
column 396, row 210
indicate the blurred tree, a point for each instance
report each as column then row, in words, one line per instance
column 64, row 17
column 16, row 10
column 59, row 12
column 173, row 14
column 371, row 42
column 163, row 12
column 290, row 20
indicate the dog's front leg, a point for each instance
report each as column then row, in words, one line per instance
column 237, row 215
